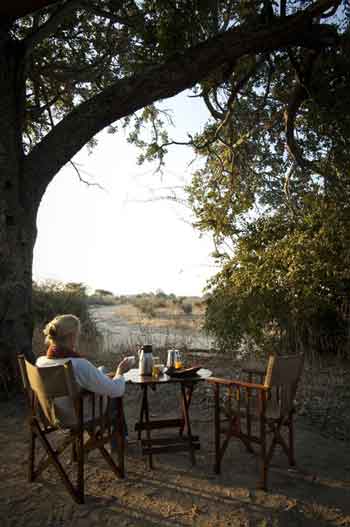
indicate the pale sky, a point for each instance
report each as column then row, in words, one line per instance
column 121, row 238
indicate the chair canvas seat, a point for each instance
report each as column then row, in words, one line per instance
column 63, row 414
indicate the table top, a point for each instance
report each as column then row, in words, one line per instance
column 133, row 376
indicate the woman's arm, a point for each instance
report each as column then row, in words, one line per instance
column 90, row 378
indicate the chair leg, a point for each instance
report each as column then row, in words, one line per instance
column 245, row 440
column 80, row 469
column 263, row 457
column 185, row 399
column 119, row 469
column 52, row 456
column 31, row 459
column 116, row 434
column 74, row 452
column 120, row 437
column 217, row 466
column 291, row 455
column 118, row 430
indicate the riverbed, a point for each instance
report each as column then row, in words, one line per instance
column 119, row 334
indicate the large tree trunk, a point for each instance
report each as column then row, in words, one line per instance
column 17, row 219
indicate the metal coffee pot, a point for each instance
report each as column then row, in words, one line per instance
column 171, row 359
column 145, row 360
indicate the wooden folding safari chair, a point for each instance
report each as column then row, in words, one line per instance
column 83, row 413
column 258, row 412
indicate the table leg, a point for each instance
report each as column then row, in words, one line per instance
column 217, row 466
column 142, row 411
column 120, row 436
column 171, row 443
column 147, row 422
column 186, row 392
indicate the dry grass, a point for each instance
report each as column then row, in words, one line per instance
column 171, row 316
column 129, row 312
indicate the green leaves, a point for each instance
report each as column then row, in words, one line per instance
column 292, row 273
column 75, row 50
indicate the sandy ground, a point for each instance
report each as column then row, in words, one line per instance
column 175, row 493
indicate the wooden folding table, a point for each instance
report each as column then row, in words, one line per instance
column 184, row 439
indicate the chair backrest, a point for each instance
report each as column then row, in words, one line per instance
column 48, row 384
column 282, row 376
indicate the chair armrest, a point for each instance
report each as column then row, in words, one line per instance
column 233, row 382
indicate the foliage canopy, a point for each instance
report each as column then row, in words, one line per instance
column 274, row 192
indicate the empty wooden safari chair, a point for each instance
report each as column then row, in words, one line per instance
column 86, row 414
column 257, row 413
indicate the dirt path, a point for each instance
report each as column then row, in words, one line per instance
column 175, row 493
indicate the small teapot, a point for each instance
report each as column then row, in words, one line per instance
column 145, row 360
column 173, row 358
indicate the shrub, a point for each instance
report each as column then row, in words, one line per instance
column 145, row 305
column 187, row 308
column 288, row 282
column 56, row 298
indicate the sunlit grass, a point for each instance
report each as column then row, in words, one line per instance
column 170, row 316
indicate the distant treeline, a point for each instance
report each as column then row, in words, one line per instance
column 51, row 298
column 102, row 296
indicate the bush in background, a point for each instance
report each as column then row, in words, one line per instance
column 187, row 308
column 56, row 298
column 288, row 284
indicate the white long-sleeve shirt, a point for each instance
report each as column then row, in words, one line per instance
column 89, row 378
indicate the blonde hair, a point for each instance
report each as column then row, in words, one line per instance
column 59, row 331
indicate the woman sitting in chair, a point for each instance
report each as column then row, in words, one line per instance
column 62, row 336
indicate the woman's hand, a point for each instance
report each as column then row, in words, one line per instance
column 124, row 366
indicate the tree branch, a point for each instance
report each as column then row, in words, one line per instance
column 318, row 8
column 330, row 13
column 225, row 117
column 213, row 111
column 283, row 8
column 36, row 111
column 73, row 72
column 183, row 71
column 82, row 180
column 286, row 189
column 98, row 11
column 18, row 8
column 49, row 27
column 299, row 95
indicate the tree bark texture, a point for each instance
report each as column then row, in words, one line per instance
column 17, row 219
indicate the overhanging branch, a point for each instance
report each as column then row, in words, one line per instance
column 18, row 8
column 298, row 96
column 49, row 27
column 183, row 71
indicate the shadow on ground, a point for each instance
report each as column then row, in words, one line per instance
column 175, row 493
